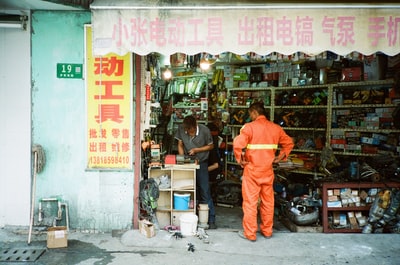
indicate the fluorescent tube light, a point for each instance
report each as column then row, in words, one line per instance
column 11, row 25
column 13, row 21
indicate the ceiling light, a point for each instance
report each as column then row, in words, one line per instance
column 167, row 74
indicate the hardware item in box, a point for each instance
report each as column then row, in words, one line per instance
column 369, row 140
column 244, row 84
column 334, row 204
column 341, row 112
column 384, row 110
column 352, row 220
column 353, row 141
column 351, row 74
column 146, row 228
column 337, row 146
column 356, row 148
column 352, row 134
column 338, row 141
column 373, row 191
column 345, row 202
column 345, row 192
column 380, row 137
column 375, row 67
column 342, row 219
column 336, row 218
column 352, row 124
column 362, row 220
column 240, row 77
column 228, row 70
column 369, row 149
column 370, row 125
column 371, row 118
column 57, row 237
column 228, row 82
column 386, row 123
column 363, row 195
column 333, row 198
column 337, row 134
column 385, row 114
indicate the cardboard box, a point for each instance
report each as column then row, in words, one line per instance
column 351, row 74
column 333, row 198
column 353, row 220
column 334, row 204
column 57, row 237
column 146, row 228
column 352, row 134
column 342, row 219
column 375, row 67
column 363, row 195
column 336, row 218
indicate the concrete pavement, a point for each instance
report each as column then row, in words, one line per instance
column 224, row 247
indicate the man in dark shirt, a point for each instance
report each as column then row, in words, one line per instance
column 195, row 140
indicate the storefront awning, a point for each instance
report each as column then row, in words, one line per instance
column 138, row 27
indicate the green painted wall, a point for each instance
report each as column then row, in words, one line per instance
column 97, row 201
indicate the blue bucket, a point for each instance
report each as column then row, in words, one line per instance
column 181, row 201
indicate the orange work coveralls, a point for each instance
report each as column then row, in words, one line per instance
column 260, row 138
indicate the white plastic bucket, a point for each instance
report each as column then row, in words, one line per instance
column 188, row 224
column 181, row 201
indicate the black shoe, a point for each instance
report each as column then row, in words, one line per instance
column 212, row 226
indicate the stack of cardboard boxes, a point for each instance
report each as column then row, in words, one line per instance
column 347, row 197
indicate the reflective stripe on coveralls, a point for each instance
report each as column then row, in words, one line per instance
column 262, row 146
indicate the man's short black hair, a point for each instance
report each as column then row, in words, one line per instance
column 189, row 122
column 259, row 107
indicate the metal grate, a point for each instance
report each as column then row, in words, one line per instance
column 17, row 254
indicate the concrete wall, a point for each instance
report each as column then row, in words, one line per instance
column 97, row 201
column 15, row 132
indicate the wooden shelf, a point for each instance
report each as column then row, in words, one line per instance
column 351, row 185
column 183, row 180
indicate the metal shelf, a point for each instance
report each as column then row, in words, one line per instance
column 327, row 108
column 300, row 106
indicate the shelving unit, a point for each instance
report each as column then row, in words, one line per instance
column 326, row 109
column 183, row 181
column 363, row 207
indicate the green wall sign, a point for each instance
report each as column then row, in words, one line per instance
column 69, row 70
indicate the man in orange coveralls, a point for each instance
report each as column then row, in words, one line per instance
column 254, row 149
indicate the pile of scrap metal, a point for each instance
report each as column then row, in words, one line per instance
column 384, row 215
column 303, row 210
column 229, row 192
column 148, row 197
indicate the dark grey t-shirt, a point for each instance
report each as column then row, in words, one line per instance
column 203, row 137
